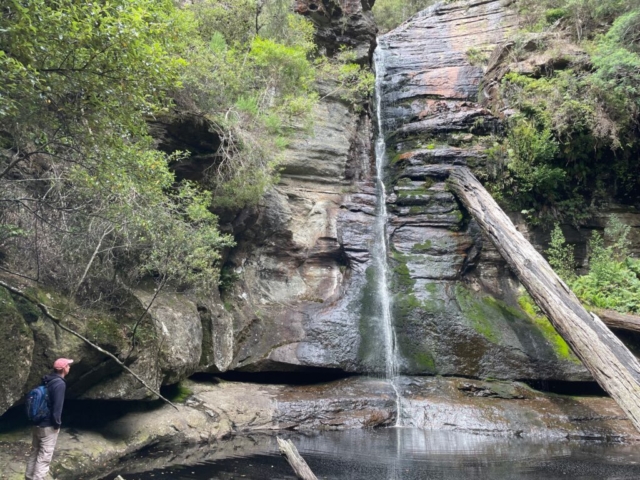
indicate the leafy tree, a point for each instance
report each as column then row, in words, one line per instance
column 82, row 185
column 83, row 189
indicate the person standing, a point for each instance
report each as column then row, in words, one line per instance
column 45, row 433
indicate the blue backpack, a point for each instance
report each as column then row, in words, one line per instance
column 38, row 407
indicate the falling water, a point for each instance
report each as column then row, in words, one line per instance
column 380, row 248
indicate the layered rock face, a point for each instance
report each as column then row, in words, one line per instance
column 306, row 295
column 446, row 277
column 289, row 262
column 300, row 284
column 303, row 293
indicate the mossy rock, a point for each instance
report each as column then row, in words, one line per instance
column 482, row 314
column 507, row 325
column 561, row 347
column 16, row 350
column 370, row 354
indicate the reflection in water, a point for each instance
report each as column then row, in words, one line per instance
column 408, row 454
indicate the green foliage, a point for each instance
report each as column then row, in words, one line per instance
column 613, row 281
column 86, row 199
column 583, row 18
column 78, row 82
column 530, row 176
column 477, row 56
column 177, row 393
column 256, row 89
column 588, row 116
column 554, row 14
column 617, row 76
column 353, row 82
column 388, row 14
column 252, row 72
column 561, row 255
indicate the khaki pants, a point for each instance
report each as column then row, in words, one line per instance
column 42, row 446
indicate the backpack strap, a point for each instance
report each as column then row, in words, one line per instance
column 51, row 382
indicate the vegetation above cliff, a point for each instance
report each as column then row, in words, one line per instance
column 571, row 90
column 389, row 14
column 87, row 200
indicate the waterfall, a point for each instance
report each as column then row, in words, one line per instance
column 380, row 249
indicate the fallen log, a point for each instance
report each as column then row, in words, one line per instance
column 300, row 467
column 612, row 365
column 621, row 321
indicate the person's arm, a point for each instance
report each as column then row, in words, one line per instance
column 56, row 393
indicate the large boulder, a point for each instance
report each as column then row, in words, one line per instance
column 16, row 349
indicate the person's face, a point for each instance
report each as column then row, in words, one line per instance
column 66, row 370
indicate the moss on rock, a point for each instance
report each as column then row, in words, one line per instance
column 17, row 343
column 560, row 347
column 481, row 313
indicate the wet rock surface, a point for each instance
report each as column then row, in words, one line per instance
column 303, row 294
column 455, row 302
column 17, row 343
column 509, row 409
column 224, row 414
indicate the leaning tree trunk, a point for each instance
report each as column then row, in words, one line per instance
column 613, row 366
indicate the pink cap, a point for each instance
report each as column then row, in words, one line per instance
column 62, row 363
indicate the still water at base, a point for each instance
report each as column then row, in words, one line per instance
column 397, row 453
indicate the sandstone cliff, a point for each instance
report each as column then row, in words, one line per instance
column 302, row 270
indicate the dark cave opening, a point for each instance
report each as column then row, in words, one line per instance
column 559, row 387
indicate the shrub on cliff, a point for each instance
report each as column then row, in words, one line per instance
column 588, row 105
column 252, row 72
column 613, row 281
column 388, row 14
column 87, row 199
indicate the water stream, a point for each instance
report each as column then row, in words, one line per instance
column 381, row 248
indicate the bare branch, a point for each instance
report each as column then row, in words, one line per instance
column 144, row 314
column 107, row 231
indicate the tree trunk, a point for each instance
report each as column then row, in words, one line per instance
column 300, row 467
column 621, row 321
column 613, row 366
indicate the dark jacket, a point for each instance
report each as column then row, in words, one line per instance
column 57, row 387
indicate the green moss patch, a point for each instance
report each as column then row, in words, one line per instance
column 481, row 313
column 177, row 393
column 106, row 331
column 425, row 362
column 401, row 274
column 421, row 247
column 369, row 351
column 560, row 347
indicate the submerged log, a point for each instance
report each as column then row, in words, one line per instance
column 300, row 467
column 613, row 366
